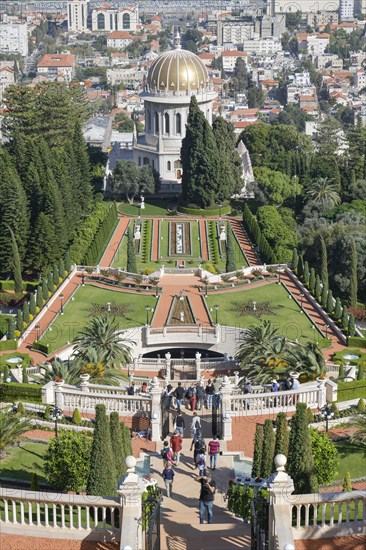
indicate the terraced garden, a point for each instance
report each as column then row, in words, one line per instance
column 217, row 247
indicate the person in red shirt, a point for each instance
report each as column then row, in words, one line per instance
column 176, row 445
column 214, row 450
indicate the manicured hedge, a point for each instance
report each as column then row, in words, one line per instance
column 146, row 241
column 207, row 212
column 8, row 344
column 213, row 244
column 31, row 393
column 357, row 341
column 351, row 390
column 43, row 348
column 9, row 285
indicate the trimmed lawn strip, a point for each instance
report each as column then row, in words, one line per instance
column 352, row 390
column 352, row 459
column 79, row 311
column 152, row 208
column 286, row 314
column 21, row 462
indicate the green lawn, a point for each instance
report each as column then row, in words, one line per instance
column 221, row 264
column 282, row 311
column 78, row 312
column 120, row 258
column 352, row 459
column 152, row 207
column 21, row 462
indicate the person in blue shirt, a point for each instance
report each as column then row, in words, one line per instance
column 168, row 476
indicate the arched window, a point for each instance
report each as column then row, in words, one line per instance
column 169, row 166
column 167, row 123
column 156, row 123
column 178, row 123
column 148, row 120
column 101, row 22
column 126, row 21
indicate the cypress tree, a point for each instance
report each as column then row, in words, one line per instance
column 337, row 309
column 347, row 483
column 11, row 329
column 20, row 325
column 268, row 449
column 200, row 161
column 351, row 325
column 67, row 262
column 330, row 305
column 45, row 289
column 306, row 274
column 61, row 268
column 323, row 262
column 76, row 417
column 352, row 289
column 344, row 320
column 256, row 233
column 318, row 288
column 230, row 250
column 50, row 282
column 300, row 267
column 258, row 451
column 131, row 252
column 25, row 378
column 55, row 275
column 126, row 435
column 295, row 259
column 117, row 443
column 26, row 312
column 16, row 268
column 39, row 298
column 300, row 464
column 324, row 295
column 282, row 435
column 32, row 304
column 34, row 482
column 312, row 280
column 42, row 245
column 360, row 374
column 102, row 480
column 230, row 163
column 83, row 189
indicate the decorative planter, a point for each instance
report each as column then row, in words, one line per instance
column 294, row 375
column 321, row 381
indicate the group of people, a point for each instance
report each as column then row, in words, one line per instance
column 171, row 455
column 196, row 395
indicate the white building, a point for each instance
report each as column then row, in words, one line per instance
column 173, row 78
column 234, row 32
column 263, row 46
column 360, row 79
column 229, row 58
column 108, row 18
column 346, row 9
column 77, row 15
column 57, row 66
column 300, row 86
column 317, row 43
column 14, row 38
column 119, row 39
column 7, row 76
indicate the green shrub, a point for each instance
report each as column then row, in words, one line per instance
column 209, row 266
column 360, row 373
column 12, row 392
column 47, row 413
column 347, row 483
column 357, row 341
column 35, row 482
column 76, row 417
column 8, row 345
column 361, row 407
column 207, row 212
column 21, row 408
column 351, row 390
column 146, row 241
column 43, row 348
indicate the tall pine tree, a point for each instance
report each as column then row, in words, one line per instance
column 16, row 267
column 352, row 289
column 102, row 480
column 323, row 262
column 258, row 451
column 230, row 250
column 300, row 464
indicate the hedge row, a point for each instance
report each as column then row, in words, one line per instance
column 255, row 234
column 43, row 348
column 8, row 345
column 213, row 242
column 146, row 241
column 207, row 212
column 14, row 391
column 9, row 285
column 357, row 341
column 101, row 236
column 351, row 390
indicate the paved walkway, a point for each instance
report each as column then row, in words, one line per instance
column 244, row 242
column 204, row 244
column 114, row 243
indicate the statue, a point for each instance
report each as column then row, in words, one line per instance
column 181, row 317
column 137, row 235
column 223, row 233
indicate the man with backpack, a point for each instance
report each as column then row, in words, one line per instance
column 195, row 425
column 179, row 423
column 209, row 394
column 168, row 476
column 197, row 445
column 179, row 394
column 200, row 396
column 167, row 454
column 201, row 462
column 191, row 395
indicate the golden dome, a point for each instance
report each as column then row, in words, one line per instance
column 177, row 71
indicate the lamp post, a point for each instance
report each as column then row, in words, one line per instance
column 301, row 300
column 37, row 327
column 61, row 296
column 279, row 274
column 83, row 276
column 220, row 206
column 326, row 330
column 327, row 413
column 216, row 308
column 147, row 309
column 56, row 414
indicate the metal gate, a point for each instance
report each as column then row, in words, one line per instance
column 216, row 417
column 165, row 419
column 152, row 534
column 259, row 523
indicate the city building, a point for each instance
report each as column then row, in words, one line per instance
column 57, row 66
column 14, row 38
column 119, row 39
column 300, row 86
column 229, row 58
column 173, row 78
column 7, row 76
column 77, row 15
column 322, row 18
column 263, row 46
column 360, row 79
column 346, row 9
column 109, row 18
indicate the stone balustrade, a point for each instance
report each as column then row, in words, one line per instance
column 181, row 334
column 56, row 515
column 123, row 404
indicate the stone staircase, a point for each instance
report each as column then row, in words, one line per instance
column 244, row 242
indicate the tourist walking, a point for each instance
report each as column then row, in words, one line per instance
column 179, row 394
column 217, row 396
column 197, row 446
column 179, row 423
column 176, row 445
column 201, row 462
column 191, row 395
column 195, row 426
column 209, row 394
column 214, row 450
column 167, row 454
column 207, row 495
column 200, row 396
column 168, row 476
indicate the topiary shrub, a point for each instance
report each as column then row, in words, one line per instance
column 47, row 413
column 21, row 408
column 35, row 482
column 347, row 483
column 361, row 407
column 76, row 417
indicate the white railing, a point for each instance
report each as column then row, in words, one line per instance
column 259, row 403
column 32, row 512
column 87, row 401
column 179, row 334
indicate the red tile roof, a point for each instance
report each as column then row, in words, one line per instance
column 57, row 60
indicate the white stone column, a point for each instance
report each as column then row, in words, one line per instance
column 198, row 365
column 280, row 487
column 226, row 408
column 59, row 400
column 155, row 410
column 130, row 491
column 168, row 364
column 322, row 399
column 84, row 385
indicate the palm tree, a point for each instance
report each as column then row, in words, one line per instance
column 69, row 372
column 360, row 434
column 93, row 364
column 103, row 335
column 305, row 358
column 323, row 192
column 12, row 427
column 257, row 340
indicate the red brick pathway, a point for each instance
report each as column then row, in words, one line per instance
column 14, row 542
column 244, row 242
column 155, row 242
column 114, row 243
column 203, row 237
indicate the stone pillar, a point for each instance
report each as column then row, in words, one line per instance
column 226, row 408
column 217, row 333
column 130, row 380
column 322, row 399
column 59, row 400
column 130, row 492
column 84, row 385
column 155, row 410
column 198, row 365
column 237, row 378
column 280, row 487
column 168, row 364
